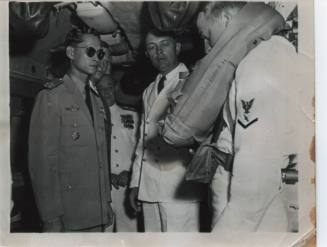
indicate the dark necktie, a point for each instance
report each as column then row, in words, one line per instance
column 88, row 99
column 108, row 127
column 161, row 84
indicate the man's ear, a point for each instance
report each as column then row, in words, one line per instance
column 146, row 53
column 178, row 47
column 70, row 52
column 226, row 17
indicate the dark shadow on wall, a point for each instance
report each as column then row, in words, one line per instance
column 24, row 215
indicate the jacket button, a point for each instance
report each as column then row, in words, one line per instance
column 116, row 151
column 143, row 159
column 115, row 137
column 74, row 125
column 145, row 134
column 69, row 187
column 117, row 165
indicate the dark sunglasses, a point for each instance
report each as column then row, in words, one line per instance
column 91, row 51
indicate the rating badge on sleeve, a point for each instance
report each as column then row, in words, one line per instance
column 246, row 118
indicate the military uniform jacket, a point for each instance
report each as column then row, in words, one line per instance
column 262, row 129
column 159, row 169
column 68, row 158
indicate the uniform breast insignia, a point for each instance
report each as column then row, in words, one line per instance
column 245, row 119
column 75, row 136
column 72, row 108
column 183, row 75
column 127, row 120
column 103, row 112
column 53, row 83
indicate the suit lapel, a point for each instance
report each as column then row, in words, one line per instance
column 149, row 98
column 159, row 102
column 158, row 107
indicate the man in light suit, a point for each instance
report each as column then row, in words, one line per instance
column 68, row 161
column 169, row 203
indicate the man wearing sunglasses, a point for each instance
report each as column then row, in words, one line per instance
column 68, row 160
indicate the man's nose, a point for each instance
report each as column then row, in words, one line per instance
column 160, row 49
column 95, row 58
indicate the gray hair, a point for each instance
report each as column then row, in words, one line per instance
column 217, row 7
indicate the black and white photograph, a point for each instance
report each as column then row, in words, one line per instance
column 177, row 123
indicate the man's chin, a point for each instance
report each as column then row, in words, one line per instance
column 166, row 68
column 163, row 67
column 92, row 71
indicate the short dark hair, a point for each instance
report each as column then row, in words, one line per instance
column 218, row 7
column 74, row 36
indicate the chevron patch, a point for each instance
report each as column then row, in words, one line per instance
column 245, row 125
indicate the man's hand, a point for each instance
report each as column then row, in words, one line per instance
column 123, row 178
column 133, row 193
column 54, row 225
column 115, row 180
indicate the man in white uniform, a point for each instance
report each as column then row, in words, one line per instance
column 169, row 203
column 125, row 124
column 124, row 128
column 261, row 129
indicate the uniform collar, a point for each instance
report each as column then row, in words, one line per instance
column 93, row 88
column 179, row 68
column 80, row 86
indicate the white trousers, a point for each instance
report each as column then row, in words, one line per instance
column 232, row 218
column 122, row 221
column 171, row 217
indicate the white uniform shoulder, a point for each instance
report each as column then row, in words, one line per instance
column 180, row 72
column 269, row 57
column 183, row 68
column 276, row 48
